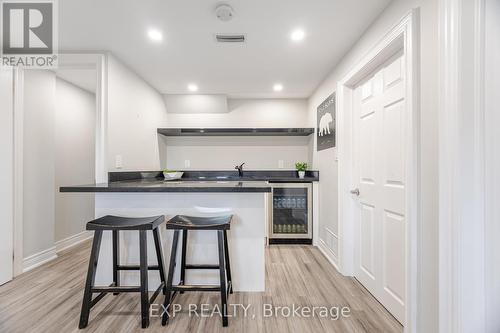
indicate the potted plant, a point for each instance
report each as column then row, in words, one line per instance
column 301, row 168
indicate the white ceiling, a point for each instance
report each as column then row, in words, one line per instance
column 188, row 52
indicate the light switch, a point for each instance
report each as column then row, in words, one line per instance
column 281, row 164
column 187, row 163
column 118, row 162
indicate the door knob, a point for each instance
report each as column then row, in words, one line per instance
column 355, row 191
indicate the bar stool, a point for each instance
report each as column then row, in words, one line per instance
column 220, row 224
column 116, row 224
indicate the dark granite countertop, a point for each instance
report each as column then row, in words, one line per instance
column 195, row 181
column 278, row 176
column 160, row 185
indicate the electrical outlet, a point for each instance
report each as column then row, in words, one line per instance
column 118, row 162
column 187, row 163
column 281, row 164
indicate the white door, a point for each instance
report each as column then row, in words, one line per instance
column 379, row 164
column 6, row 176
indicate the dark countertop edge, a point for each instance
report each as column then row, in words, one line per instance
column 285, row 181
column 77, row 189
column 249, row 180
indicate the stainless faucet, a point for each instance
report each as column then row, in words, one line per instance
column 240, row 169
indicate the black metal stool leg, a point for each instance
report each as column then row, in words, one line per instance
column 143, row 249
column 222, row 271
column 87, row 295
column 116, row 258
column 171, row 267
column 159, row 257
column 228, row 266
column 183, row 258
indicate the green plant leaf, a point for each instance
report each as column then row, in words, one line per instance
column 301, row 166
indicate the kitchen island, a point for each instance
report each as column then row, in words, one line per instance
column 248, row 201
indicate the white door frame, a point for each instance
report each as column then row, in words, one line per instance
column 18, row 169
column 66, row 60
column 99, row 62
column 403, row 36
column 7, row 219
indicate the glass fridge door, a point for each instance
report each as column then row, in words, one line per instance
column 290, row 212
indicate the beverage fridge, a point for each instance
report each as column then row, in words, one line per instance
column 291, row 214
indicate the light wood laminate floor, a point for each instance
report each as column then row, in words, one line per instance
column 48, row 299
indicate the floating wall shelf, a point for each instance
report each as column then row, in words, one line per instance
column 235, row 131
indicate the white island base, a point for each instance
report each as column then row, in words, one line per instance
column 246, row 237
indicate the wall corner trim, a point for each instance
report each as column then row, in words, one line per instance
column 462, row 202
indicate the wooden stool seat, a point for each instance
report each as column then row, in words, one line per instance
column 184, row 222
column 110, row 222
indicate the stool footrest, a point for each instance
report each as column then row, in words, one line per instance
column 201, row 266
column 99, row 297
column 156, row 293
column 121, row 289
column 195, row 287
column 135, row 267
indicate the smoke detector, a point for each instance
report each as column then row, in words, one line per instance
column 224, row 12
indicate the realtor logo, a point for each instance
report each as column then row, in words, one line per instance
column 28, row 33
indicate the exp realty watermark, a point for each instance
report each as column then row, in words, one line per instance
column 250, row 311
column 28, row 36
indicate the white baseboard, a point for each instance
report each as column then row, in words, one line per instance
column 39, row 258
column 328, row 253
column 71, row 241
column 44, row 256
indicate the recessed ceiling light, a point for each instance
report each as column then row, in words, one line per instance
column 155, row 35
column 297, row 35
column 192, row 87
column 278, row 87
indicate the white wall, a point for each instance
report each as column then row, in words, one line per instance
column 223, row 153
column 38, row 159
column 325, row 162
column 248, row 113
column 59, row 124
column 198, row 103
column 55, row 143
column 75, row 117
column 6, row 174
column 135, row 111
column 492, row 161
column 259, row 153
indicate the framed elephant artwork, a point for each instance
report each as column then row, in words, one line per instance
column 325, row 132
